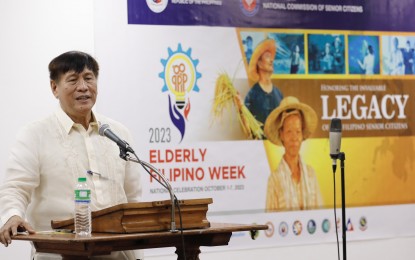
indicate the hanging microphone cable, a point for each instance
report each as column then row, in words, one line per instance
column 335, row 217
column 176, row 201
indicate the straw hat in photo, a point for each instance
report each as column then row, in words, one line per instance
column 288, row 106
column 262, row 47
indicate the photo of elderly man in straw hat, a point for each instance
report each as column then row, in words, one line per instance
column 263, row 97
column 293, row 185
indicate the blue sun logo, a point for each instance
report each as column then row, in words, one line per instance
column 180, row 78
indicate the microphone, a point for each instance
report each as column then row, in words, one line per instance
column 335, row 140
column 105, row 130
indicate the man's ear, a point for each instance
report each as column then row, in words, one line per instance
column 54, row 88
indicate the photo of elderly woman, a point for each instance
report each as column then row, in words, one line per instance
column 293, row 185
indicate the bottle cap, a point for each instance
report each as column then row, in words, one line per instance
column 81, row 179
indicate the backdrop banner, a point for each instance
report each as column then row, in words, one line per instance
column 187, row 73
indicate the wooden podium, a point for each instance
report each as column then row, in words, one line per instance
column 139, row 226
column 145, row 217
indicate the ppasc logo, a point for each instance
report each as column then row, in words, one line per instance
column 157, row 6
column 180, row 77
column 249, row 7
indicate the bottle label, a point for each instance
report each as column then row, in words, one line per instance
column 83, row 195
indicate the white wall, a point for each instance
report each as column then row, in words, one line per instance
column 31, row 34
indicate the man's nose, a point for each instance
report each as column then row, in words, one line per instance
column 82, row 85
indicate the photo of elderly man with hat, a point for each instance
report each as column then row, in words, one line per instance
column 263, row 97
column 293, row 185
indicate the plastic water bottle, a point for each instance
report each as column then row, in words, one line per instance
column 82, row 208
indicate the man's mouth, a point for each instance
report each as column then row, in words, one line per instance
column 83, row 97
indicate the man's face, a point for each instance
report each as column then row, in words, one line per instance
column 266, row 62
column 77, row 92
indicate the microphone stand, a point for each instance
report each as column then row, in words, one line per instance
column 124, row 155
column 342, row 157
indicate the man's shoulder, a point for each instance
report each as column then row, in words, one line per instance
column 255, row 90
column 276, row 91
column 40, row 123
column 37, row 127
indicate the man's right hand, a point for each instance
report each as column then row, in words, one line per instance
column 11, row 227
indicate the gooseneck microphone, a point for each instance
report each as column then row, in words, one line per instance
column 104, row 130
column 335, row 137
